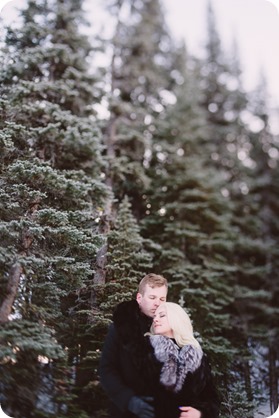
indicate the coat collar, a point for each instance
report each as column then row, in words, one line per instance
column 130, row 322
column 177, row 362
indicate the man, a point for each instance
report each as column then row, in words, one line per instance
column 126, row 366
column 123, row 365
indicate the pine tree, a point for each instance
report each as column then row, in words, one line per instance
column 138, row 76
column 51, row 198
column 127, row 259
column 263, row 195
column 139, row 73
column 126, row 262
column 234, row 150
column 187, row 218
column 236, row 403
column 224, row 101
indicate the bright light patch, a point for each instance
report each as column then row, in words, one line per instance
column 3, row 3
column 242, row 155
column 2, row 413
column 225, row 192
column 273, row 152
column 43, row 359
column 212, row 107
column 275, row 3
column 168, row 97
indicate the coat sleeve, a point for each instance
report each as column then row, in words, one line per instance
column 110, row 374
column 209, row 401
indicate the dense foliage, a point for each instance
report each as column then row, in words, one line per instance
column 156, row 162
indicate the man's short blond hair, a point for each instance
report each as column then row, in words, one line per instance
column 152, row 280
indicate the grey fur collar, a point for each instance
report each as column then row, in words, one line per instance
column 177, row 362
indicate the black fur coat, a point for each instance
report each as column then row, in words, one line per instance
column 126, row 353
column 185, row 380
column 129, row 367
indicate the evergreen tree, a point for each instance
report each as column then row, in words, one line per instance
column 51, row 198
column 127, row 259
column 138, row 77
column 182, row 178
column 236, row 403
column 126, row 262
column 224, row 101
column 263, row 195
column 234, row 150
column 187, row 219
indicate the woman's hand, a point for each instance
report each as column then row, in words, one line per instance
column 189, row 412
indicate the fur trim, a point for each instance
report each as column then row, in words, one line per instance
column 131, row 325
column 177, row 362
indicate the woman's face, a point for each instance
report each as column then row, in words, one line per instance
column 161, row 324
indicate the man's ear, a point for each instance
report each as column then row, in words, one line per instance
column 139, row 297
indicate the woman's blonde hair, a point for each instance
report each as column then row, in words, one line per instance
column 180, row 324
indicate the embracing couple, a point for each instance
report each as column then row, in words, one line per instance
column 151, row 364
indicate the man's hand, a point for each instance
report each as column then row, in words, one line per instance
column 139, row 406
column 189, row 412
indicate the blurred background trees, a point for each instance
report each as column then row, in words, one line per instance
column 157, row 161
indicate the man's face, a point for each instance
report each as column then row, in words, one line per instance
column 151, row 299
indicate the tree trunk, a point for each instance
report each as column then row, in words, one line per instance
column 17, row 270
column 108, row 216
column 247, row 378
column 13, row 283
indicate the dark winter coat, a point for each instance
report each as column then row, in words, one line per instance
column 124, row 357
column 129, row 367
column 185, row 380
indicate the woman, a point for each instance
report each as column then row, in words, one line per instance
column 185, row 375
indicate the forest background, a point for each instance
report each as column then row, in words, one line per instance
column 155, row 161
